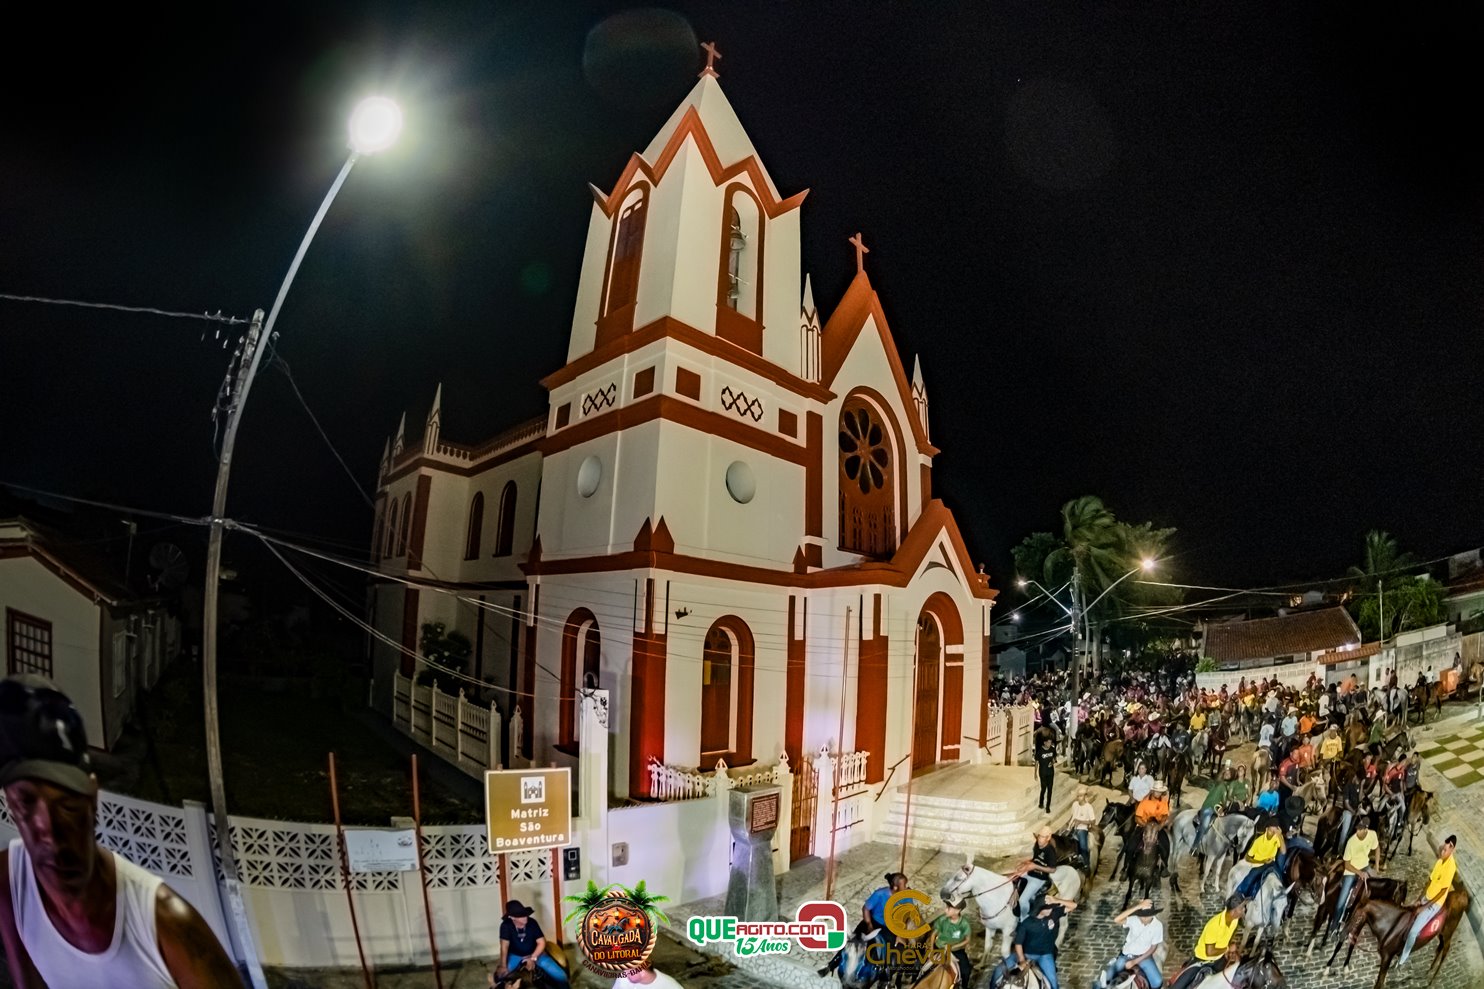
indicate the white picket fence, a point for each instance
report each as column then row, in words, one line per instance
column 668, row 783
column 469, row 735
column 1008, row 733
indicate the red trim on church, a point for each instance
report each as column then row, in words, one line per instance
column 527, row 686
column 691, row 127
column 870, row 695
column 942, row 608
column 793, row 704
column 647, row 703
column 419, row 522
column 840, row 334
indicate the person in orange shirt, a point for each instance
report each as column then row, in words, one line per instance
column 1155, row 807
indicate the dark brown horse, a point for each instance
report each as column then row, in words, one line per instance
column 1111, row 758
column 1390, row 924
column 1365, row 888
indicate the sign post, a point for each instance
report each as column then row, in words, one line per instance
column 530, row 810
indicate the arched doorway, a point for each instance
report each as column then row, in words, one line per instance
column 927, row 698
column 727, row 660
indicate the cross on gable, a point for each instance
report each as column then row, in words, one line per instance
column 712, row 56
column 861, row 250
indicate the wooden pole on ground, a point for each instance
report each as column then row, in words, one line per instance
column 829, row 866
column 556, row 894
column 422, row 869
column 345, row 873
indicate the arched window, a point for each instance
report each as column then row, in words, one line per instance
column 726, row 693
column 868, row 487
column 582, row 652
column 623, row 266
column 476, row 527
column 389, row 547
column 378, row 533
column 505, row 534
column 406, row 524
column 739, row 287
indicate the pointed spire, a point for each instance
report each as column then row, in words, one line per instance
column 386, row 458
column 919, row 394
column 435, row 421
column 400, row 439
column 809, row 335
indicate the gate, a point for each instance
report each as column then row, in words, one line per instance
column 806, row 795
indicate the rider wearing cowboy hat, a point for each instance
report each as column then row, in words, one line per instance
column 1155, row 807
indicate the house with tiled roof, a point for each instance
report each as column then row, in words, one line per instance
column 1291, row 647
column 70, row 615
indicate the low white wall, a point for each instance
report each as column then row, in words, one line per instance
column 682, row 848
column 1291, row 674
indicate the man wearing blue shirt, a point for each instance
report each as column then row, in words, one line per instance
column 873, row 918
column 1267, row 801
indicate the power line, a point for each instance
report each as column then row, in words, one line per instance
column 215, row 317
column 283, row 366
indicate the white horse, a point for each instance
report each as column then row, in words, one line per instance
column 1182, row 830
column 1066, row 882
column 992, row 893
column 1227, row 836
column 1263, row 920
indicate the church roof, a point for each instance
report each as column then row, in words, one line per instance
column 715, row 114
column 706, row 118
column 844, row 328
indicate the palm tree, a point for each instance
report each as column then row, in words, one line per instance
column 1383, row 559
column 1378, row 603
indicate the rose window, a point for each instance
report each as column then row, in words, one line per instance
column 863, row 452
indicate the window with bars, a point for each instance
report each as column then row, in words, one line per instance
column 28, row 643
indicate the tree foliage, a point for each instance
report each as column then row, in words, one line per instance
column 1387, row 599
column 443, row 649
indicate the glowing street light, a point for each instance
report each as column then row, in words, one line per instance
column 374, row 125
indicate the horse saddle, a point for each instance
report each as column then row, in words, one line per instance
column 1431, row 928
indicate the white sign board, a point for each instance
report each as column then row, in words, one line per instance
column 381, row 850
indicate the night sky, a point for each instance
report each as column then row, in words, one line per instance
column 1221, row 266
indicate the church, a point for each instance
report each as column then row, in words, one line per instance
column 725, row 518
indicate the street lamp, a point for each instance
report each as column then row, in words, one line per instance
column 374, row 125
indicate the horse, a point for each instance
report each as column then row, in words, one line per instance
column 1355, row 735
column 1420, row 806
column 1261, row 972
column 1262, row 769
column 1216, row 750
column 938, row 975
column 537, row 978
column 1228, row 834
column 1301, row 872
column 1365, row 888
column 992, row 893
column 1390, row 923
column 1265, row 913
column 1327, row 832
column 1198, row 743
column 854, row 971
column 1111, row 757
column 1115, row 819
column 1176, row 772
column 1148, row 862
column 1066, row 882
column 1419, row 696
column 1182, row 830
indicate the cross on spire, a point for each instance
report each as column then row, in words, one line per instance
column 861, row 250
column 712, row 56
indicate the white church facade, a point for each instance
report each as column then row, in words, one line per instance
column 725, row 517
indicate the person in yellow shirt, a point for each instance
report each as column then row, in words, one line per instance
column 1332, row 745
column 1197, row 720
column 1439, row 885
column 1213, row 944
column 1262, row 855
column 1155, row 807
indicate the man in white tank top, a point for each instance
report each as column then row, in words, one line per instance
column 74, row 915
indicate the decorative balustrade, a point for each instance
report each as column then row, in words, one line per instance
column 466, row 734
column 668, row 783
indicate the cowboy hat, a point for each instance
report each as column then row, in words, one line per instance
column 1159, row 787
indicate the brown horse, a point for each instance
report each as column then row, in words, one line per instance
column 1327, row 914
column 1111, row 758
column 1390, row 924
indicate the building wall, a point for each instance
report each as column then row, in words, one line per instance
column 29, row 587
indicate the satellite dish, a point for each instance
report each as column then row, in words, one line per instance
column 169, row 563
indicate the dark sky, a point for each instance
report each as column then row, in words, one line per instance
column 1220, row 266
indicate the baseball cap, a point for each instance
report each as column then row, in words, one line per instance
column 42, row 736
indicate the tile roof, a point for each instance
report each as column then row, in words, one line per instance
column 1301, row 632
column 1346, row 655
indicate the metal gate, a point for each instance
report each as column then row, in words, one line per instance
column 806, row 795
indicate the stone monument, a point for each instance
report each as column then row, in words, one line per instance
column 753, row 815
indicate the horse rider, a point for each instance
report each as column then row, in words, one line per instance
column 1238, row 789
column 1141, row 783
column 1439, row 885
column 873, row 917
column 1360, row 854
column 1290, row 723
column 951, row 931
column 1143, row 935
column 1267, row 801
column 1214, row 944
column 1037, row 869
column 1265, row 734
column 1331, row 746
column 1215, row 798
column 1084, row 816
column 1035, row 941
column 1154, row 808
column 1349, row 807
column 1262, row 856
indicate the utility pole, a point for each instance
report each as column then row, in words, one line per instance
column 1077, row 626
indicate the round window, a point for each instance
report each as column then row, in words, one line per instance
column 741, row 484
column 588, row 476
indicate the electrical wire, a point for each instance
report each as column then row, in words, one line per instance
column 283, row 366
column 215, row 317
column 123, row 509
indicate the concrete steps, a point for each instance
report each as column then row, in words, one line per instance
column 974, row 813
